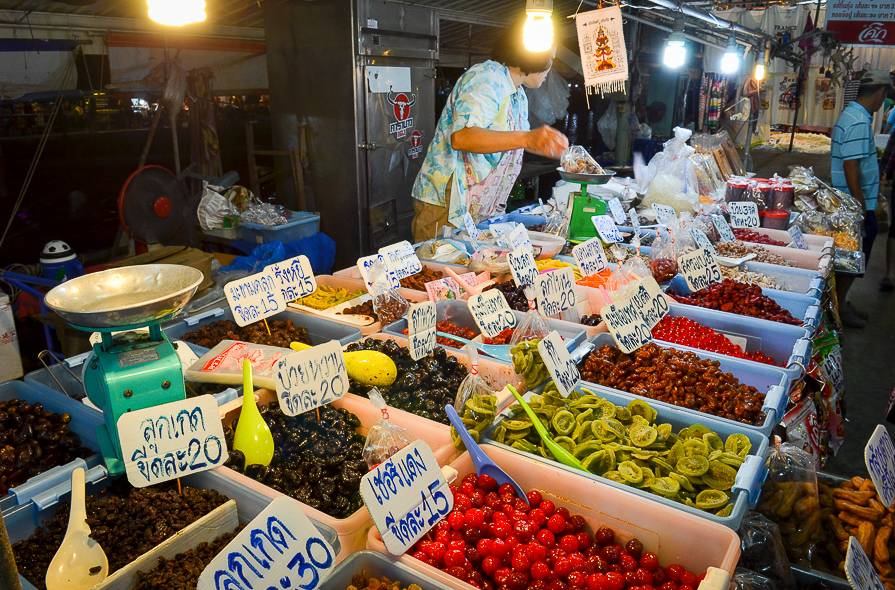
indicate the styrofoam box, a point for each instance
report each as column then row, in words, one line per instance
column 457, row 312
column 802, row 307
column 412, row 295
column 795, row 280
column 750, row 476
column 376, row 565
column 784, row 343
column 675, row 536
column 808, row 259
column 352, row 530
column 22, row 521
column 83, row 422
column 772, row 381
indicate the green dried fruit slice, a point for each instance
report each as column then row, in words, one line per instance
column 565, row 442
column 605, row 410
column 500, row 434
column 643, row 435
column 517, row 434
column 715, row 455
column 736, row 442
column 713, row 441
column 516, row 424
column 664, row 431
column 612, row 446
column 690, row 503
column 622, row 414
column 695, row 446
column 659, row 462
column 599, row 462
column 613, row 426
column 699, row 431
column 710, row 499
column 720, row 476
column 623, row 456
column 614, row 476
column 545, row 452
column 563, row 422
column 733, row 460
column 726, row 511
column 638, row 407
column 631, row 472
column 587, row 448
column 665, row 486
column 524, row 445
column 676, row 453
column 644, row 455
column 693, row 466
column 683, row 481
column 649, row 478
column 584, row 416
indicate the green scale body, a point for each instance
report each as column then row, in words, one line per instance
column 584, row 206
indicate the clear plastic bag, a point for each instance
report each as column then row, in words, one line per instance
column 662, row 259
column 576, row 159
column 264, row 214
column 789, row 498
column 846, row 230
column 476, row 403
column 558, row 222
column 681, row 239
column 532, row 326
column 441, row 250
column 746, row 579
column 388, row 304
column 762, row 551
column 672, row 175
column 385, row 438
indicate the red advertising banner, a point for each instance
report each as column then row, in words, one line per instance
column 862, row 22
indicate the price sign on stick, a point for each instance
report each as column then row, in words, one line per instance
column 279, row 548
column 606, row 228
column 626, row 325
column 798, row 238
column 165, row 442
column 254, row 298
column 650, row 301
column 618, row 212
column 879, row 455
column 859, row 570
column 555, row 291
column 523, row 267
column 635, row 220
column 491, row 312
column 421, row 320
column 406, row 495
column 743, row 214
column 311, row 378
column 401, row 259
column 664, row 213
column 723, row 228
column 518, row 239
column 294, row 277
column 699, row 269
column 702, row 240
column 365, row 264
column 559, row 363
column 471, row 229
column 590, row 256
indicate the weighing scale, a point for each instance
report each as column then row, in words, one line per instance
column 127, row 371
column 584, row 206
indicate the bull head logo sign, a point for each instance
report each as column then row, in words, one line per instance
column 401, row 104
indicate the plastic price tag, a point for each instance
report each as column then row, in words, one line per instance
column 743, row 214
column 165, row 442
column 559, row 363
column 471, row 229
column 859, row 570
column 254, row 298
column 491, row 312
column 366, row 263
column 311, row 378
column 523, row 267
column 664, row 213
column 518, row 239
column 294, row 277
column 401, row 259
column 702, row 240
column 607, row 229
column 279, row 548
column 723, row 228
column 626, row 325
column 406, row 495
column 699, row 269
column 555, row 291
column 618, row 212
column 421, row 320
column 650, row 301
column 590, row 256
column 798, row 238
column 879, row 455
column 635, row 220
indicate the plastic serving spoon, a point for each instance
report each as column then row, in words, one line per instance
column 498, row 351
column 470, row 289
column 80, row 563
column 561, row 455
column 252, row 436
column 483, row 463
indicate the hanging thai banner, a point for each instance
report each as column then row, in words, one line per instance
column 862, row 22
column 604, row 58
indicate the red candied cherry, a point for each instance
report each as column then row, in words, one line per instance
column 518, row 581
column 476, row 579
column 600, row 566
column 610, row 554
column 539, row 570
column 500, row 516
column 488, row 483
column 556, row 524
column 659, row 577
column 442, row 525
column 534, row 498
column 506, row 488
column 564, row 512
column 584, row 541
column 563, row 567
column 454, row 489
column 472, row 479
column 537, row 584
column 546, row 538
column 614, row 567
column 548, row 508
column 647, row 587
column 634, row 548
column 630, row 579
column 421, row 555
column 477, row 499
column 615, row 581
column 502, row 575
column 568, row 543
column 444, row 536
column 557, row 585
column 492, row 501
column 457, row 571
column 644, row 578
column 628, row 563
column 523, row 530
column 457, row 544
column 536, row 552
column 577, row 521
column 462, row 503
column 604, row 535
column 685, row 587
column 521, row 563
column 454, row 558
column 456, row 535
column 436, row 551
column 507, row 508
column 500, row 529
column 483, row 546
column 488, row 513
column 650, row 562
column 456, row 519
column 578, row 562
column 688, row 578
column 521, row 505
column 597, row 582
column 498, row 547
column 472, row 555
column 472, row 534
column 668, row 586
column 467, row 488
column 474, row 518
column 512, row 542
column 577, row 579
column 537, row 515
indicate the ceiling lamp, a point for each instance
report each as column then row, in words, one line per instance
column 676, row 46
column 176, row 13
column 761, row 68
column 730, row 63
column 537, row 34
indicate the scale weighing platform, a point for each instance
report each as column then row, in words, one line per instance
column 584, row 205
column 127, row 371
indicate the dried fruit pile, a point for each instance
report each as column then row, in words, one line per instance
column 748, row 235
column 282, row 333
column 684, row 331
column 738, row 298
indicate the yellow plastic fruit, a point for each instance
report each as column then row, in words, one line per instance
column 252, row 437
column 370, row 367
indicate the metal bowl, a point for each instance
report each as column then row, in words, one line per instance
column 123, row 297
column 582, row 177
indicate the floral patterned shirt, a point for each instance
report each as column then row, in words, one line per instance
column 483, row 97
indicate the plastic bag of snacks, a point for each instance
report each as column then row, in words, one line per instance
column 532, row 326
column 388, row 304
column 814, row 222
column 672, row 176
column 763, row 552
column 662, row 261
column 476, row 403
column 789, row 498
column 385, row 438
column 558, row 222
column 846, row 230
column 576, row 159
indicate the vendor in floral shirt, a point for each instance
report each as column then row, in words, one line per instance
column 476, row 154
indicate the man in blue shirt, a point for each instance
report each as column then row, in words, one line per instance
column 855, row 170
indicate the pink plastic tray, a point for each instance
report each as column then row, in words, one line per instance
column 353, row 273
column 351, row 285
column 675, row 537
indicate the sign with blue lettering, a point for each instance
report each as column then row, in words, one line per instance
column 365, row 264
column 743, row 214
column 618, row 212
column 699, row 269
column 635, row 220
column 491, row 312
column 311, row 378
column 523, row 267
column 471, row 229
column 555, row 291
column 590, row 256
column 559, row 363
column 607, row 229
column 859, row 570
column 626, row 324
column 294, row 277
column 649, row 300
column 879, row 455
column 421, row 321
column 664, row 213
column 723, row 228
column 406, row 495
column 519, row 239
column 798, row 238
column 165, row 442
column 702, row 240
column 401, row 259
column 254, row 298
column 280, row 548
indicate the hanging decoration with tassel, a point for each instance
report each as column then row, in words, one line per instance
column 604, row 57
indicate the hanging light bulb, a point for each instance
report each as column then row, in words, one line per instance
column 537, row 34
column 676, row 46
column 759, row 71
column 730, row 63
column 176, row 13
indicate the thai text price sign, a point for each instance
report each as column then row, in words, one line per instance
column 699, row 269
column 311, row 378
column 743, row 214
column 491, row 312
column 523, row 267
column 590, row 256
column 365, row 265
column 555, row 291
column 879, row 455
column 859, row 570
column 294, row 277
column 559, row 363
column 626, row 325
column 421, row 321
column 401, row 259
column 254, row 298
column 862, row 22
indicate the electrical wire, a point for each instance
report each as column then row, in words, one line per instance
column 57, row 106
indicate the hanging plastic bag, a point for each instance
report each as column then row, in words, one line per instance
column 672, row 176
column 532, row 326
column 662, row 260
column 762, row 550
column 789, row 498
column 576, row 159
column 388, row 304
column 385, row 438
column 476, row 403
column 558, row 222
column 527, row 360
column 681, row 239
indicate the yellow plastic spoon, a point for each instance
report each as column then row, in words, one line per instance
column 368, row 367
column 252, row 437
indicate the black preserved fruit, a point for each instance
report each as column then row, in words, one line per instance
column 184, row 569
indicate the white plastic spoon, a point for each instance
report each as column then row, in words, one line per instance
column 80, row 563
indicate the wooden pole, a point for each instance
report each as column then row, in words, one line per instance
column 155, row 119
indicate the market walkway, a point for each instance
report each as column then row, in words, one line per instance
column 868, row 356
